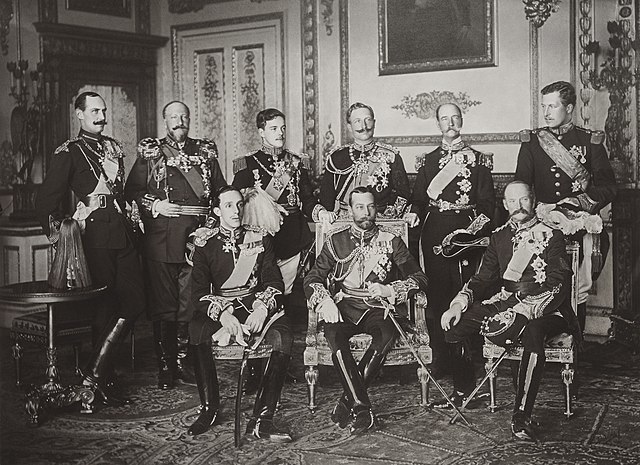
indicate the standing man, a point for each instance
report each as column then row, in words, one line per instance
column 172, row 181
column 236, row 287
column 528, row 261
column 283, row 175
column 453, row 189
column 568, row 166
column 365, row 265
column 366, row 162
column 92, row 166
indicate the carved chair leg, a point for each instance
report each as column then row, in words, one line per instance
column 312, row 374
column 424, row 386
column 492, row 384
column 567, row 378
column 16, row 351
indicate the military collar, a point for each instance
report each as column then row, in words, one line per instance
column 273, row 151
column 235, row 233
column 362, row 235
column 457, row 144
column 562, row 130
column 171, row 142
column 517, row 227
column 364, row 148
column 90, row 136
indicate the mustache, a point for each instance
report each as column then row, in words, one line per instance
column 180, row 126
column 520, row 210
column 364, row 129
column 102, row 122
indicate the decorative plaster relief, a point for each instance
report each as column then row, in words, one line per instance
column 424, row 105
column 327, row 15
column 248, row 95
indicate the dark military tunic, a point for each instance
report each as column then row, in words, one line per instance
column 108, row 238
column 376, row 165
column 213, row 263
column 551, row 184
column 258, row 169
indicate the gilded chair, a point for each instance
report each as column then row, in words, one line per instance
column 411, row 315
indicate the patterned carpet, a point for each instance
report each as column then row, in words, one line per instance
column 605, row 428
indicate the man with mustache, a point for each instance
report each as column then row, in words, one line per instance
column 92, row 166
column 528, row 261
column 568, row 166
column 453, row 189
column 365, row 265
column 172, row 181
column 366, row 162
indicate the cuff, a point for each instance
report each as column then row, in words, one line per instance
column 217, row 305
column 268, row 298
column 464, row 297
column 401, row 289
column 154, row 213
column 315, row 214
column 320, row 294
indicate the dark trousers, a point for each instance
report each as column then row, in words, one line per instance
column 169, row 286
column 280, row 336
column 382, row 331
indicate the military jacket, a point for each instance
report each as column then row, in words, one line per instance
column 78, row 165
column 186, row 177
column 551, row 184
column 378, row 166
column 265, row 166
column 346, row 258
column 214, row 260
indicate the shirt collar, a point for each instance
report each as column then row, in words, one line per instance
column 522, row 226
column 235, row 233
column 364, row 148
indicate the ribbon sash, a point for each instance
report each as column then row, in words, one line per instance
column 443, row 178
column 521, row 258
column 244, row 266
column 563, row 158
column 354, row 279
column 193, row 177
column 276, row 186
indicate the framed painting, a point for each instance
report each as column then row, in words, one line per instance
column 120, row 8
column 431, row 35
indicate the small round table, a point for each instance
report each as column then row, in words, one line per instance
column 52, row 393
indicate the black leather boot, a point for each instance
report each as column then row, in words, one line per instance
column 97, row 370
column 255, row 369
column 261, row 425
column 184, row 373
column 362, row 418
column 163, row 339
column 208, row 389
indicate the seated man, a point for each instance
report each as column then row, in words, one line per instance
column 365, row 265
column 235, row 285
column 528, row 261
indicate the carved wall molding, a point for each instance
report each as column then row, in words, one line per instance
column 534, row 76
column 585, row 37
column 6, row 14
column 310, row 79
column 433, row 140
column 344, row 68
column 191, row 6
column 327, row 15
column 425, row 104
column 328, row 145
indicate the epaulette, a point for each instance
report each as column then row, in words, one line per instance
column 202, row 235
column 304, row 158
column 240, row 163
column 149, row 148
column 112, row 147
column 207, row 148
column 389, row 147
column 597, row 137
column 337, row 149
column 500, row 228
column 485, row 159
column 65, row 146
column 525, row 135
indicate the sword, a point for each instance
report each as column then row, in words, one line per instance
column 403, row 335
column 257, row 340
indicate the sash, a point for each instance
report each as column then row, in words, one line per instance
column 443, row 178
column 563, row 158
column 246, row 261
column 350, row 182
column 193, row 177
column 276, row 186
column 522, row 256
column 355, row 279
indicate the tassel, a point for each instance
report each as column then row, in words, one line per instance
column 69, row 269
column 261, row 213
column 596, row 256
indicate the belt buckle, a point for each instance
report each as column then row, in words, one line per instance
column 102, row 201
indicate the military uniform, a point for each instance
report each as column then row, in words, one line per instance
column 236, row 269
column 186, row 175
column 92, row 166
column 573, row 167
column 453, row 187
column 530, row 266
column 284, row 176
column 376, row 165
column 351, row 259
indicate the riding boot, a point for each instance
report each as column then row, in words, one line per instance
column 261, row 425
column 164, row 340
column 184, row 373
column 529, row 378
column 97, row 370
column 362, row 418
column 207, row 381
column 255, row 369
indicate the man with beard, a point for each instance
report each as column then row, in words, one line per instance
column 568, row 166
column 528, row 261
column 453, row 189
column 366, row 162
column 92, row 165
column 172, row 181
column 365, row 265
column 236, row 286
